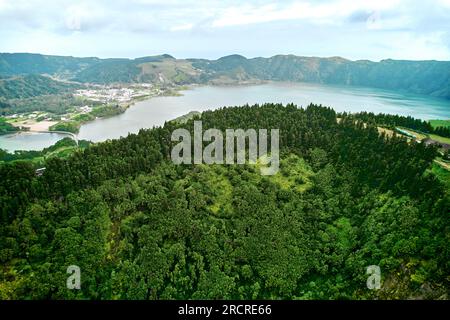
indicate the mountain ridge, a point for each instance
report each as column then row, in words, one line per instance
column 428, row 77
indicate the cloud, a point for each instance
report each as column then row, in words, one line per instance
column 220, row 27
column 182, row 27
column 359, row 16
column 330, row 12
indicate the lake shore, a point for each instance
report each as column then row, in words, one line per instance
column 149, row 111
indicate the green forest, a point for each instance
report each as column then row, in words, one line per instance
column 140, row 227
column 438, row 127
column 33, row 85
column 6, row 127
column 60, row 149
column 100, row 111
column 56, row 104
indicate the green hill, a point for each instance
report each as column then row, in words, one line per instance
column 162, row 69
column 440, row 123
column 28, row 63
column 141, row 227
column 6, row 127
column 32, row 85
column 421, row 77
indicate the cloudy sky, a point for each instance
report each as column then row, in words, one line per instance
column 370, row 29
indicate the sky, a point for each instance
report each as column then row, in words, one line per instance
column 370, row 29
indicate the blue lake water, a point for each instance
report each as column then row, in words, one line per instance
column 155, row 111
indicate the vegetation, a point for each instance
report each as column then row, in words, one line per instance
column 140, row 227
column 110, row 71
column 442, row 131
column 73, row 125
column 61, row 149
column 442, row 174
column 440, row 123
column 33, row 85
column 392, row 121
column 6, row 127
column 422, row 77
column 162, row 69
column 185, row 118
column 57, row 104
column 13, row 64
column 440, row 138
column 67, row 126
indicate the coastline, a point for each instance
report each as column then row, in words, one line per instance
column 178, row 91
column 75, row 124
column 45, row 126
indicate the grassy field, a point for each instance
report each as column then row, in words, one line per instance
column 440, row 139
column 440, row 123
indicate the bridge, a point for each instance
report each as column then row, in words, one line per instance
column 70, row 134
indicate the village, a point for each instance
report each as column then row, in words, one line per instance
column 95, row 98
column 119, row 94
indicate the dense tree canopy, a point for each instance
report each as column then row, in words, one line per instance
column 393, row 121
column 141, row 227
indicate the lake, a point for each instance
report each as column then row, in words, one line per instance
column 29, row 140
column 155, row 111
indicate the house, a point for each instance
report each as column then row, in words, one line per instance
column 85, row 109
column 39, row 172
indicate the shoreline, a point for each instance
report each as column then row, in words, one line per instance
column 125, row 106
column 179, row 91
column 45, row 125
column 173, row 93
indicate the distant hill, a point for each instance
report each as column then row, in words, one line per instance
column 422, row 77
column 163, row 69
column 29, row 63
column 32, row 85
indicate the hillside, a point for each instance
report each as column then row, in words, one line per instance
column 28, row 86
column 421, row 77
column 28, row 63
column 141, row 227
column 6, row 127
column 162, row 69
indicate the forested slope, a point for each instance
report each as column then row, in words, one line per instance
column 32, row 86
column 420, row 77
column 141, row 227
column 423, row 77
column 13, row 64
